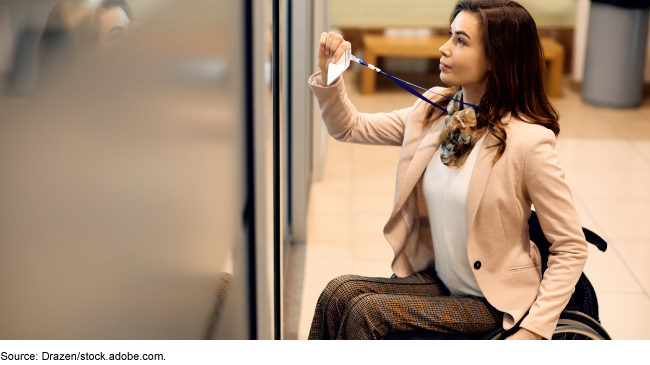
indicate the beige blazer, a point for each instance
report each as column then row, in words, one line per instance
column 498, row 207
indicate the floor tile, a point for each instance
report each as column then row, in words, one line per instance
column 608, row 273
column 371, row 246
column 328, row 248
column 331, row 200
column 587, row 219
column 372, row 203
column 625, row 317
column 338, row 164
column 369, row 222
column 637, row 258
column 631, row 123
column 634, row 129
column 329, row 227
column 318, row 273
column 362, row 169
column 384, row 185
column 643, row 147
column 610, row 181
column 388, row 155
column 599, row 153
column 595, row 128
column 622, row 219
column 569, row 130
column 372, row 268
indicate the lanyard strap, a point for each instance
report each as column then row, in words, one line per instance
column 405, row 86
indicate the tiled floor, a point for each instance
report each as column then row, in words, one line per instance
column 606, row 154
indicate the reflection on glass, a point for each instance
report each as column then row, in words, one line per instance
column 123, row 187
column 76, row 25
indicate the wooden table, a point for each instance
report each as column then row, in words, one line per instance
column 554, row 55
column 378, row 45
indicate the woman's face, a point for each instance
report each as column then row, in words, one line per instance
column 463, row 61
column 111, row 25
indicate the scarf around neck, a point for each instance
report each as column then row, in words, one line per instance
column 460, row 133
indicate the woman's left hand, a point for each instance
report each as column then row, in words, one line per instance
column 524, row 334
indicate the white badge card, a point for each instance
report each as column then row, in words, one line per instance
column 335, row 70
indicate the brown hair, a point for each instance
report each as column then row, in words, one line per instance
column 70, row 27
column 516, row 81
column 110, row 4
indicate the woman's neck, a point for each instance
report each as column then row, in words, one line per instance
column 473, row 94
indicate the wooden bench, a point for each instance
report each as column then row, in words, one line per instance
column 379, row 45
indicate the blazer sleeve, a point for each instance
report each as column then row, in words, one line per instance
column 346, row 124
column 551, row 195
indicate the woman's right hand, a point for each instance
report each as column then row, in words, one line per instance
column 330, row 49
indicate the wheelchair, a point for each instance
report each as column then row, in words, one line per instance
column 578, row 321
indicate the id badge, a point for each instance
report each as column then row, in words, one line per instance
column 335, row 70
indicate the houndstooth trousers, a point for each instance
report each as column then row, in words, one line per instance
column 361, row 308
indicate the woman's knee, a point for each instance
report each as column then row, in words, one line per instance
column 344, row 285
column 341, row 290
column 366, row 305
column 364, row 317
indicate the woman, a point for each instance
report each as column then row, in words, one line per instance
column 463, row 262
column 113, row 19
column 74, row 26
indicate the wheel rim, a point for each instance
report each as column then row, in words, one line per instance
column 570, row 328
column 574, row 317
column 573, row 331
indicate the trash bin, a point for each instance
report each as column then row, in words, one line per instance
column 616, row 52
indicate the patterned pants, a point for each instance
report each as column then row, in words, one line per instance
column 222, row 292
column 360, row 308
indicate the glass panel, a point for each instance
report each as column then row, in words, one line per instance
column 123, row 180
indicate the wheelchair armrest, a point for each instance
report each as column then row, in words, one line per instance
column 595, row 239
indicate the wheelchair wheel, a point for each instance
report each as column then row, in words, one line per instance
column 572, row 325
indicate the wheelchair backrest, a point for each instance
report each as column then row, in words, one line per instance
column 537, row 236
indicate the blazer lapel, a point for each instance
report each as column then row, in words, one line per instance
column 418, row 163
column 479, row 178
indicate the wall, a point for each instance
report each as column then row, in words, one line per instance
column 433, row 13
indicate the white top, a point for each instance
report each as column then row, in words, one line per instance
column 445, row 192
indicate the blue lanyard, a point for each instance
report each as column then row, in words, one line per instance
column 405, row 86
